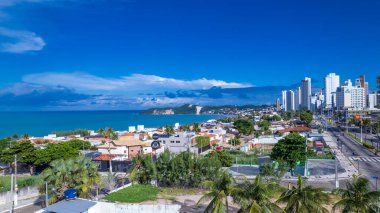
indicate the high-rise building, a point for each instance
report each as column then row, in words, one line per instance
column 283, row 100
column 372, row 101
column 332, row 82
column 350, row 97
column 305, row 94
column 297, row 99
column 278, row 105
column 360, row 82
column 289, row 101
column 317, row 101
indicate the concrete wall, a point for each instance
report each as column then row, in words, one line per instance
column 105, row 207
column 24, row 193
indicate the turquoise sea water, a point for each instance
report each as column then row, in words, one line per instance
column 43, row 123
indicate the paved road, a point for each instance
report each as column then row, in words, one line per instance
column 367, row 162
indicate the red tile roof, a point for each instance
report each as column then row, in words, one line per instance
column 215, row 141
column 105, row 157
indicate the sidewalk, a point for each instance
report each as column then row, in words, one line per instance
column 21, row 203
column 343, row 160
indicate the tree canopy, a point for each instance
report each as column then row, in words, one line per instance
column 223, row 156
column 244, row 126
column 306, row 116
column 79, row 173
column 290, row 149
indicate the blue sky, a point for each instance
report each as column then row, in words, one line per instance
column 130, row 54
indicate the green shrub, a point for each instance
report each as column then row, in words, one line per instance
column 368, row 146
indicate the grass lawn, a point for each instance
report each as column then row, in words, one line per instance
column 23, row 181
column 134, row 194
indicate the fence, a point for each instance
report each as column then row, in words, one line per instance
column 24, row 193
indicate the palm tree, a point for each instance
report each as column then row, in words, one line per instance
column 26, row 136
column 196, row 127
column 255, row 197
column 15, row 136
column 169, row 130
column 220, row 190
column 79, row 173
column 304, row 199
column 357, row 197
column 144, row 170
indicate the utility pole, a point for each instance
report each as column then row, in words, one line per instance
column 336, row 172
column 46, row 194
column 305, row 167
column 11, row 209
column 15, row 182
column 346, row 120
column 361, row 130
column 109, row 152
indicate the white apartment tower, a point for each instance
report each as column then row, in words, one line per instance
column 332, row 83
column 283, row 100
column 351, row 97
column 289, row 101
column 297, row 99
column 305, row 94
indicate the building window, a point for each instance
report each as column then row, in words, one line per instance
column 171, row 141
column 178, row 141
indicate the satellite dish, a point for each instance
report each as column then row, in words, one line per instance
column 155, row 145
column 155, row 136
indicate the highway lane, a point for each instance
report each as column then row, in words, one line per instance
column 351, row 148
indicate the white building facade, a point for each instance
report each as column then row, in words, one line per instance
column 332, row 83
column 350, row 97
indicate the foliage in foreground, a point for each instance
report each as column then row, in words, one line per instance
column 134, row 194
column 357, row 197
column 256, row 196
column 79, row 173
column 220, row 189
column 304, row 199
column 179, row 170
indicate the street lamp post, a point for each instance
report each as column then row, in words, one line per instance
column 305, row 167
column 336, row 172
column 361, row 131
column 46, row 194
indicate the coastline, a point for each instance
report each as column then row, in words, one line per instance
column 42, row 123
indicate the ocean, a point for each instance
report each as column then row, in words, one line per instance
column 43, row 123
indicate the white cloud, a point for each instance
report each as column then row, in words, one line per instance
column 7, row 3
column 20, row 41
column 132, row 83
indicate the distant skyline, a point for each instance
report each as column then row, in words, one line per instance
column 134, row 54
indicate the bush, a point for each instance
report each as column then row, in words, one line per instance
column 368, row 146
column 202, row 141
column 224, row 157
